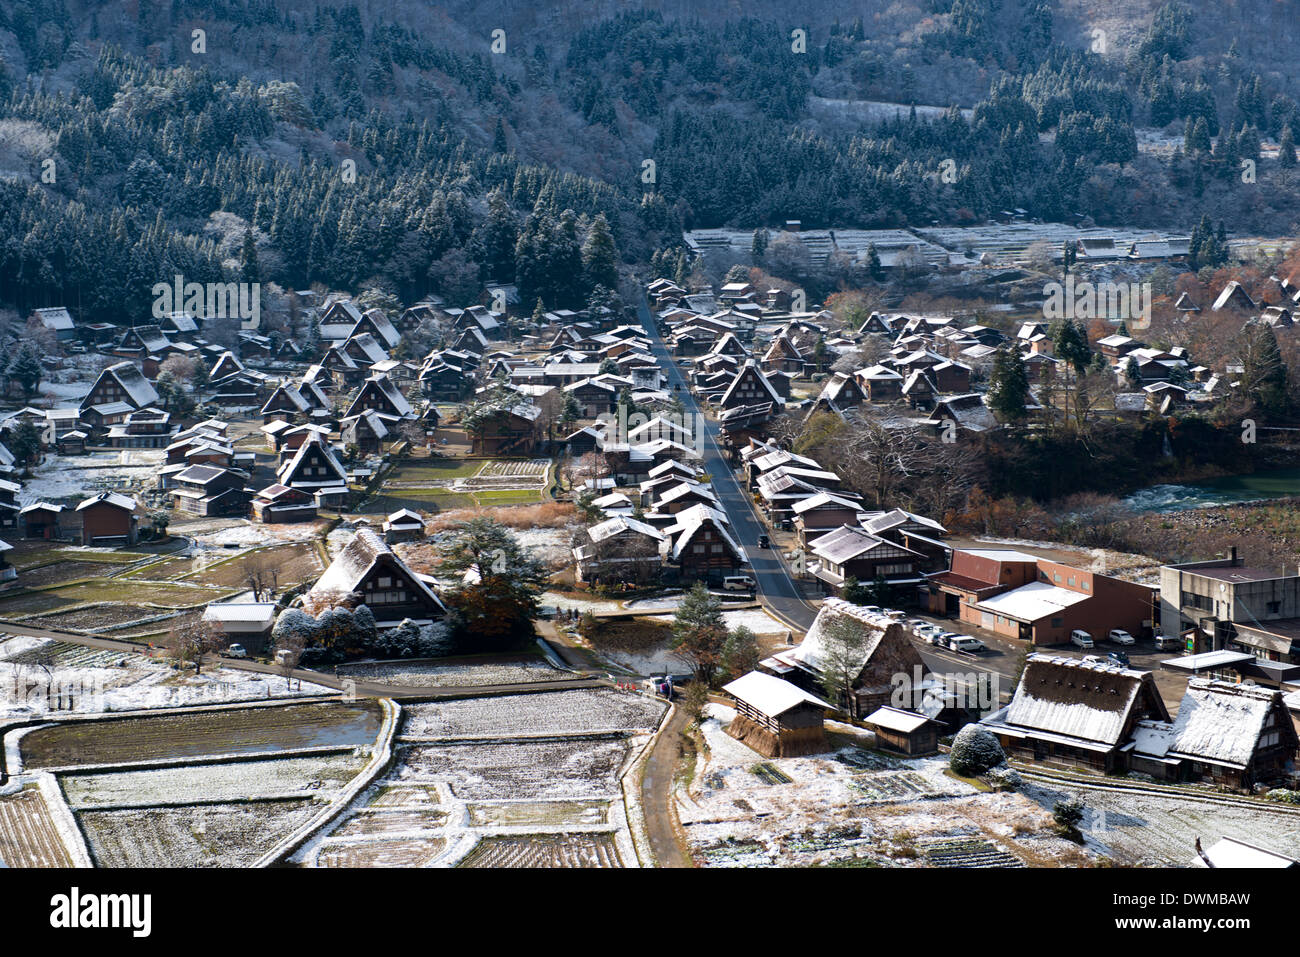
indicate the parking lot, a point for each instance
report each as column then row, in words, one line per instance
column 1001, row 655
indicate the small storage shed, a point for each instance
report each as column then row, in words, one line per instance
column 904, row 732
column 775, row 718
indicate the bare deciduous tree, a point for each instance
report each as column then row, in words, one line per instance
column 191, row 640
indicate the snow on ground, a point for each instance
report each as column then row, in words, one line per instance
column 220, row 533
column 1155, row 830
column 537, row 770
column 582, row 710
column 846, row 803
column 428, row 675
column 441, row 801
column 312, row 776
column 663, row 603
column 108, row 681
column 75, row 476
column 559, row 602
column 67, row 393
column 551, row 545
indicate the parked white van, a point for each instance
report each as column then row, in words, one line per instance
column 738, row 583
column 1081, row 638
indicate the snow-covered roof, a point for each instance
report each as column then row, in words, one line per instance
column 133, row 383
column 259, row 613
column 1229, row 852
column 810, row 652
column 110, row 498
column 351, row 565
column 894, row 719
column 1220, row 722
column 619, row 524
column 1032, row 602
column 770, row 695
column 404, row 518
column 56, row 318
column 1080, row 700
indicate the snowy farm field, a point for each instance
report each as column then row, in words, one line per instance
column 100, row 680
column 59, row 572
column 1155, row 830
column 210, row 732
column 545, row 850
column 309, row 778
column 406, row 852
column 549, row 814
column 28, row 836
column 429, row 674
column 575, row 768
column 384, row 822
column 292, row 564
column 854, row 806
column 584, row 710
column 63, row 478
column 210, row 835
column 109, row 591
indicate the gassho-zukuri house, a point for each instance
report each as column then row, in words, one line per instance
column 368, row 572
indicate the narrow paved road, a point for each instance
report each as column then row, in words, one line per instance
column 776, row 589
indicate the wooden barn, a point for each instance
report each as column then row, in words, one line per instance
column 903, row 732
column 775, row 718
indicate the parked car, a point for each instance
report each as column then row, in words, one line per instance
column 899, row 616
column 1118, row 657
column 1121, row 637
column 764, row 542
column 1093, row 660
column 234, row 651
column 966, row 643
column 916, row 624
column 738, row 583
column 871, row 609
column 1081, row 638
column 1168, row 643
column 944, row 637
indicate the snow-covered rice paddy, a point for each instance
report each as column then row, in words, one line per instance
column 462, row 675
column 302, row 777
column 582, row 710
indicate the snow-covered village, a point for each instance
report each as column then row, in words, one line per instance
column 388, row 483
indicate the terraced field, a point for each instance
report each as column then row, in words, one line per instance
column 545, row 850
column 469, row 674
column 372, row 821
column 57, row 572
column 300, row 777
column 537, row 770
column 104, row 617
column 237, row 731
column 403, row 853
column 579, row 710
column 64, row 654
column 28, row 837
column 539, row 813
column 115, row 590
column 219, row 835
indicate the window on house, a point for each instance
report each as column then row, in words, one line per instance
column 1058, row 622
